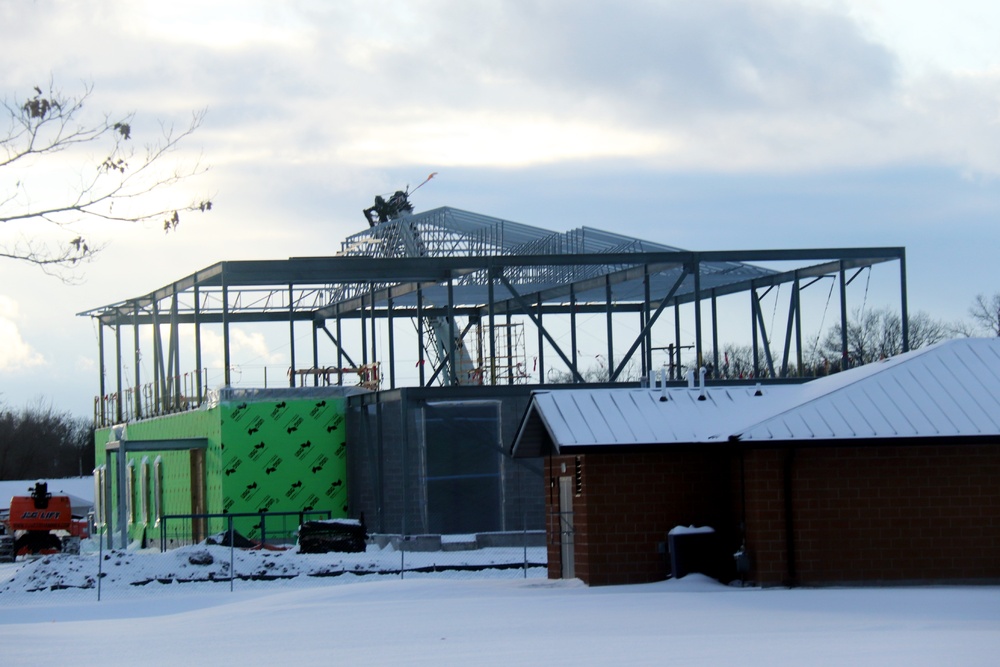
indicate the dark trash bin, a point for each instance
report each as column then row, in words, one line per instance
column 693, row 550
column 341, row 535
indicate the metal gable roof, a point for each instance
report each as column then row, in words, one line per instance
column 951, row 389
column 948, row 389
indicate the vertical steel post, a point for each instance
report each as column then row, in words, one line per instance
column 420, row 336
column 572, row 331
column 647, row 339
column 226, row 360
column 846, row 361
column 364, row 332
column 452, row 371
column 697, row 313
column 136, row 358
column 291, row 335
column 677, row 336
column 715, row 333
column 541, row 344
column 798, row 323
column 903, row 307
column 99, row 412
column 340, row 353
column 493, row 331
column 159, row 377
column 510, row 351
column 754, row 305
column 119, row 410
column 200, row 389
column 392, row 343
column 610, row 327
column 371, row 296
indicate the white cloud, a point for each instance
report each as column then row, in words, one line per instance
column 15, row 353
column 250, row 349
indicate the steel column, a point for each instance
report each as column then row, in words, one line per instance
column 572, row 330
column 453, row 379
column 697, row 313
column 610, row 324
column 227, row 360
column 420, row 336
column 715, row 334
column 845, row 359
column 493, row 332
column 541, row 343
column 137, row 399
column 903, row 307
column 197, row 345
column 291, row 335
column 392, row 345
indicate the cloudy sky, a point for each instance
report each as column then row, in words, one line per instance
column 717, row 124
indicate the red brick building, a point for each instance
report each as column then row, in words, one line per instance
column 889, row 473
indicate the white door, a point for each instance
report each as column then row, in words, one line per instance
column 566, row 493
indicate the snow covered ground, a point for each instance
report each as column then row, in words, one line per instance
column 435, row 619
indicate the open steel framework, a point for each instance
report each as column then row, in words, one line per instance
column 435, row 267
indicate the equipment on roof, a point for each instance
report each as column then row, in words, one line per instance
column 385, row 210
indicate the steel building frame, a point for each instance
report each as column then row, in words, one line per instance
column 464, row 271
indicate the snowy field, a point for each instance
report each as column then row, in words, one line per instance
column 435, row 619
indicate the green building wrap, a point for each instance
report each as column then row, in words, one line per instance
column 261, row 456
column 283, row 456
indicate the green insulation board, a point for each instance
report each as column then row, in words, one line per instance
column 284, row 456
column 261, row 457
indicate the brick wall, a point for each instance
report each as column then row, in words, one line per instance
column 874, row 514
column 628, row 504
column 877, row 514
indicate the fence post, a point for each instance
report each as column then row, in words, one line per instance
column 100, row 560
column 232, row 557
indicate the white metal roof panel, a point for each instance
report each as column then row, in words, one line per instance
column 948, row 389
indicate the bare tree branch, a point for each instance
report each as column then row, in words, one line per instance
column 117, row 186
column 985, row 313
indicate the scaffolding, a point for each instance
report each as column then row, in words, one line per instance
column 508, row 363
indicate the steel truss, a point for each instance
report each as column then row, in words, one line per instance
column 476, row 273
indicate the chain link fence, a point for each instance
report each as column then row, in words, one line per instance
column 431, row 481
column 226, row 562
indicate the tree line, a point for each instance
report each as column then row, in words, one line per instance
column 39, row 442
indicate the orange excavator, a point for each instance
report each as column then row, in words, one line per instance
column 34, row 524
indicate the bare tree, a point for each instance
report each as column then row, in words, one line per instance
column 985, row 313
column 593, row 374
column 41, row 442
column 878, row 334
column 50, row 131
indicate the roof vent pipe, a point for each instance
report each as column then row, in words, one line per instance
column 701, row 382
column 690, row 376
column 663, row 383
column 758, row 391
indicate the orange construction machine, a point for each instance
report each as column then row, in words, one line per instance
column 33, row 524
